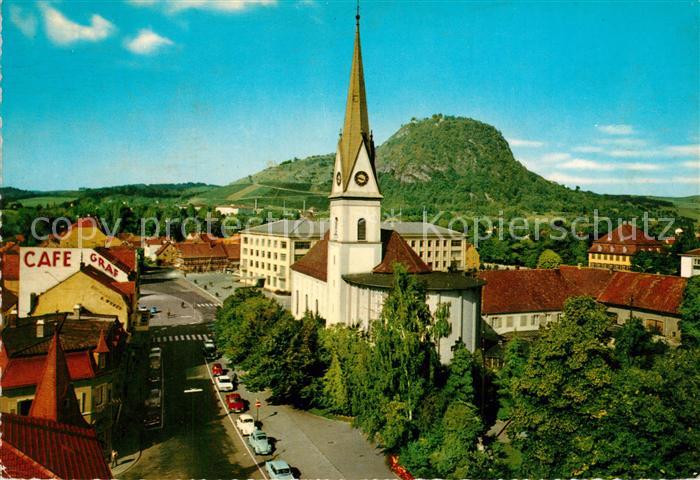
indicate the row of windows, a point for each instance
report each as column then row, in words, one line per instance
column 429, row 243
column 532, row 320
column 266, row 242
column 281, row 269
column 263, row 254
column 605, row 256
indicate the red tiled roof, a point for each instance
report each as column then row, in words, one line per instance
column 26, row 371
column 659, row 293
column 155, row 241
column 511, row 291
column 124, row 257
column 625, row 239
column 692, row 253
column 10, row 265
column 47, row 449
column 102, row 346
column 233, row 250
column 200, row 250
column 55, row 397
column 396, row 250
column 515, row 291
column 315, row 262
column 127, row 288
column 163, row 248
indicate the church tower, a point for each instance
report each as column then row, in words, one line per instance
column 354, row 243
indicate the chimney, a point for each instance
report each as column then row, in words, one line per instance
column 76, row 310
column 40, row 328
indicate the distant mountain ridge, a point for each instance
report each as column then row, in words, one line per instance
column 439, row 163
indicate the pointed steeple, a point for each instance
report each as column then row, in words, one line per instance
column 55, row 397
column 356, row 129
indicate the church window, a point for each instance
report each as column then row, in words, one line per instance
column 361, row 230
column 306, row 302
column 335, row 226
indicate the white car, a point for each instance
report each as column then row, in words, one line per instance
column 223, row 383
column 245, row 424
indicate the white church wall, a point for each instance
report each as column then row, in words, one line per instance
column 308, row 293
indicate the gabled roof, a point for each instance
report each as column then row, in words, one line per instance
column 541, row 290
column 627, row 234
column 692, row 253
column 55, row 397
column 658, row 293
column 26, row 371
column 396, row 250
column 126, row 289
column 102, row 346
column 41, row 448
column 233, row 250
column 164, row 247
column 315, row 262
column 200, row 250
column 124, row 257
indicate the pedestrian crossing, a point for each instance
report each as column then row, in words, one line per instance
column 210, row 305
column 182, row 338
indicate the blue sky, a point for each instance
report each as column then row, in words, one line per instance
column 601, row 95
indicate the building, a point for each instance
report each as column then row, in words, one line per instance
column 200, row 257
column 520, row 302
column 84, row 233
column 690, row 263
column 52, row 440
column 346, row 276
column 9, row 281
column 92, row 291
column 616, row 249
column 269, row 250
column 166, row 254
column 42, row 268
column 152, row 245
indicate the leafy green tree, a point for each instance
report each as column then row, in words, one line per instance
column 461, row 426
column 442, row 327
column 561, row 391
column 514, row 361
column 334, row 388
column 655, row 262
column 690, row 314
column 460, row 382
column 549, row 259
column 635, row 345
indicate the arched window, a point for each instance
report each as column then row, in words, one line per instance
column 335, row 227
column 361, row 230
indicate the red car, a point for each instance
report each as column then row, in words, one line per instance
column 217, row 369
column 235, row 403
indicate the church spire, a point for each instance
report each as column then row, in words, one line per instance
column 356, row 129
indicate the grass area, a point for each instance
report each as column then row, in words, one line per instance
column 687, row 206
column 45, row 200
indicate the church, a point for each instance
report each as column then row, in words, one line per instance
column 346, row 276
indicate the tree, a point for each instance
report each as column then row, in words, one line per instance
column 562, row 389
column 334, row 389
column 549, row 259
column 635, row 345
column 514, row 360
column 442, row 327
column 690, row 314
column 655, row 262
column 459, row 385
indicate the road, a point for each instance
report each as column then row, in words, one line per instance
column 198, row 439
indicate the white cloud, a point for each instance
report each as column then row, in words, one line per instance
column 224, row 6
column 584, row 164
column 623, row 142
column 683, row 150
column 587, row 149
column 578, row 180
column 691, row 164
column 617, row 129
column 146, row 42
column 555, row 157
column 25, row 22
column 63, row 31
column 516, row 142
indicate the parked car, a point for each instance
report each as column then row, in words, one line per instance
column 154, row 360
column 156, row 350
column 259, row 442
column 152, row 419
column 235, row 403
column 217, row 369
column 245, row 424
column 154, row 376
column 279, row 470
column 209, row 350
column 223, row 383
column 153, row 399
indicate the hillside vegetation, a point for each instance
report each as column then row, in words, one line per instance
column 442, row 163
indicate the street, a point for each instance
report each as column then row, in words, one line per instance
column 198, row 438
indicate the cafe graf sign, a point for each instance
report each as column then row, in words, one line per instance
column 41, row 268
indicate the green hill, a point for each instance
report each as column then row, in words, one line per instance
column 440, row 163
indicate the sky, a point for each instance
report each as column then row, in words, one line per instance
column 601, row 95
